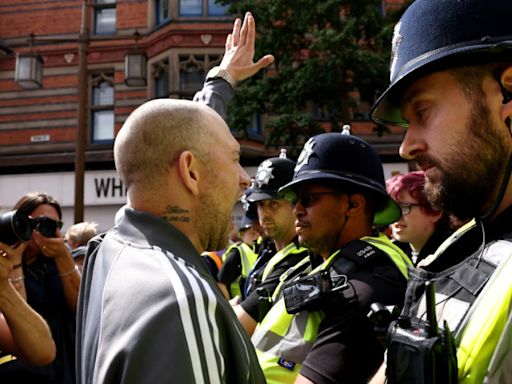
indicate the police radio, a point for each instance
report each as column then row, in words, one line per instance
column 418, row 352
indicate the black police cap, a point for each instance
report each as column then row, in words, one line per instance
column 342, row 159
column 437, row 34
column 272, row 174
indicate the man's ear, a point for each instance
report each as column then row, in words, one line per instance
column 188, row 169
column 506, row 83
column 356, row 204
column 506, row 78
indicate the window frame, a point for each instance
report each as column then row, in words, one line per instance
column 172, row 56
column 173, row 7
column 158, row 6
column 100, row 7
column 95, row 79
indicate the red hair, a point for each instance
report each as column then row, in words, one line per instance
column 412, row 182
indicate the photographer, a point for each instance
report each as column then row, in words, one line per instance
column 23, row 332
column 51, row 281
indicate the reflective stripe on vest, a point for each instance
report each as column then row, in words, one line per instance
column 500, row 367
column 283, row 341
column 290, row 249
column 488, row 317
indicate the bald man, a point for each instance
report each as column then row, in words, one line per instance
column 149, row 311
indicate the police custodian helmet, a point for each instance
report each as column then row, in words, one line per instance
column 271, row 175
column 345, row 159
column 437, row 34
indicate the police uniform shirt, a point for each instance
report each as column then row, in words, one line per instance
column 149, row 312
column 346, row 349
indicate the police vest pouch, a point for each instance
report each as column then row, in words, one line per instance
column 309, row 292
column 418, row 352
column 306, row 292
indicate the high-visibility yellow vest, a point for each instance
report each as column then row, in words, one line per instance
column 290, row 249
column 485, row 328
column 303, row 266
column 282, row 340
column 247, row 259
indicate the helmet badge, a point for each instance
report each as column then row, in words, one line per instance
column 264, row 173
column 245, row 203
column 397, row 39
column 306, row 153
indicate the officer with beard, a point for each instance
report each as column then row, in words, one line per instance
column 451, row 88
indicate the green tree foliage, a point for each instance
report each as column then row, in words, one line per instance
column 324, row 50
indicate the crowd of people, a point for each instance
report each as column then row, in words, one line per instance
column 315, row 290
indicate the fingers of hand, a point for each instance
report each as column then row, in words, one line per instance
column 236, row 33
column 265, row 61
column 251, row 30
column 6, row 250
column 245, row 29
column 229, row 42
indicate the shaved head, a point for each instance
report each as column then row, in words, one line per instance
column 155, row 134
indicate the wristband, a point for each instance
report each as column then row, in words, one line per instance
column 76, row 269
column 16, row 279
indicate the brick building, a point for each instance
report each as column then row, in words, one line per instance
column 181, row 39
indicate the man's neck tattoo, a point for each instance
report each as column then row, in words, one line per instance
column 173, row 213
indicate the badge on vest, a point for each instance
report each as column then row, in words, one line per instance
column 286, row 364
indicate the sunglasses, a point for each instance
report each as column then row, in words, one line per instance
column 308, row 199
column 46, row 226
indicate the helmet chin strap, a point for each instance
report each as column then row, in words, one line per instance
column 335, row 247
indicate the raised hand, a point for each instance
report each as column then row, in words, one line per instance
column 238, row 59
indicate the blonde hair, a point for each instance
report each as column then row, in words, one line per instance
column 81, row 233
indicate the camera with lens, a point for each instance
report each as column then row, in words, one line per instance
column 46, row 226
column 15, row 227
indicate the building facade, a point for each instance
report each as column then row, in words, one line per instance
column 66, row 119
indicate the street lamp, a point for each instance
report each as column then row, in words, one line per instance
column 135, row 68
column 29, row 70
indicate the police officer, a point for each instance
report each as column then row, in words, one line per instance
column 451, row 87
column 319, row 331
column 240, row 256
column 276, row 219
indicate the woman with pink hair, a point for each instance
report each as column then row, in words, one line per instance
column 421, row 226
